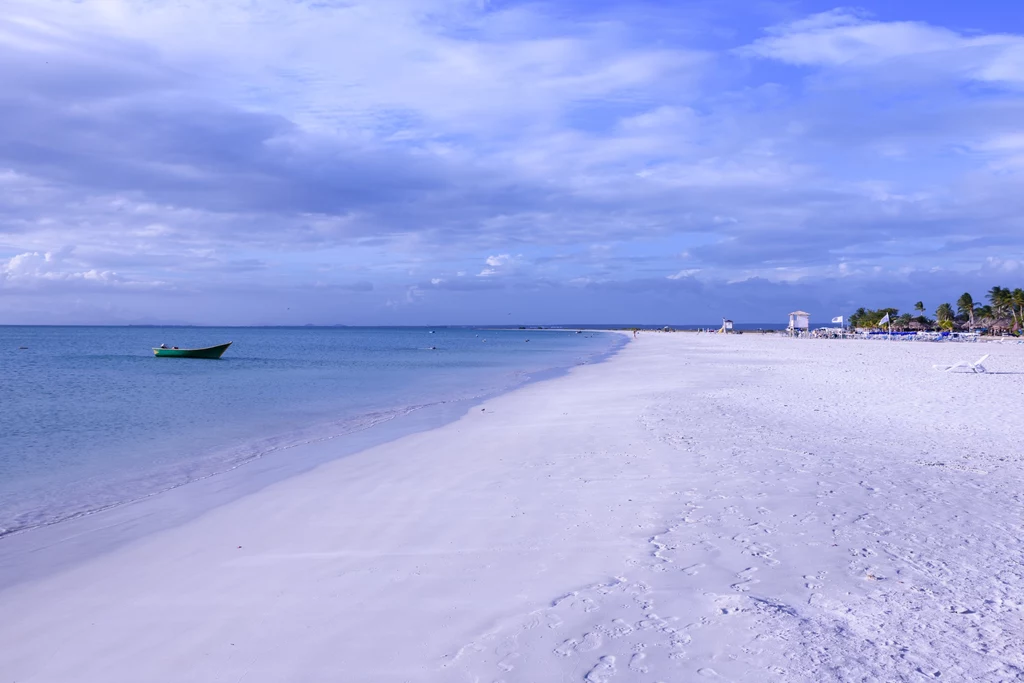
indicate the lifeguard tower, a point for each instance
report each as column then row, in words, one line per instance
column 799, row 322
column 726, row 327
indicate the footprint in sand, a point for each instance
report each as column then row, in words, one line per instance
column 680, row 639
column 507, row 650
column 590, row 641
column 653, row 621
column 617, row 629
column 636, row 663
column 532, row 621
column 621, row 585
column 505, row 664
column 574, row 600
column 763, row 528
column 602, row 671
column 567, row 647
column 764, row 552
column 812, row 580
column 728, row 604
column 678, row 642
column 746, row 579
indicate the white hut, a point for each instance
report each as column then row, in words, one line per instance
column 799, row 321
column 726, row 326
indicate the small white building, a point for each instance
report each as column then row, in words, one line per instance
column 799, row 321
column 726, row 325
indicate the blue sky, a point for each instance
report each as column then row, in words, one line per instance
column 428, row 162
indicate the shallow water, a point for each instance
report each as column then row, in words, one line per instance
column 89, row 418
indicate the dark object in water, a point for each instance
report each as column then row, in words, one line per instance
column 210, row 352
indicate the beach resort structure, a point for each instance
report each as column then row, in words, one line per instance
column 799, row 321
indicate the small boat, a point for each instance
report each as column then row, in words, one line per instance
column 210, row 352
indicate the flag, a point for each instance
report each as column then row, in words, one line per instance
column 884, row 320
column 837, row 319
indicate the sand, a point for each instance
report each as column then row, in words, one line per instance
column 699, row 507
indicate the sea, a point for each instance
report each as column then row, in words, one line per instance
column 90, row 419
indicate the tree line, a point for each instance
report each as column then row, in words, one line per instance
column 1004, row 310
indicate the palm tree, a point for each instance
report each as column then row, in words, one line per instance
column 1017, row 301
column 944, row 313
column 965, row 304
column 919, row 307
column 1000, row 298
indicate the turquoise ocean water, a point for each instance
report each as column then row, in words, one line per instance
column 89, row 418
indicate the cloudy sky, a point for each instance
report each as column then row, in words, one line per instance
column 474, row 161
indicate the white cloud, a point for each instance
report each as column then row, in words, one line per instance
column 250, row 141
column 31, row 267
column 1003, row 265
column 738, row 170
column 845, row 38
column 688, row 272
column 500, row 264
column 461, row 66
column 661, row 118
column 60, row 268
column 842, row 37
column 1006, row 142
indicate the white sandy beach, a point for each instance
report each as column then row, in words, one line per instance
column 699, row 507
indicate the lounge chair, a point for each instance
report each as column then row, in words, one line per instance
column 976, row 366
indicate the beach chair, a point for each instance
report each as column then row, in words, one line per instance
column 976, row 366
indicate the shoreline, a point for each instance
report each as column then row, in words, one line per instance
column 37, row 549
column 742, row 507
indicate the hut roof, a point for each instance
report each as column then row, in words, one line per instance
column 800, row 313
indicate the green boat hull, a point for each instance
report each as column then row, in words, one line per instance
column 210, row 352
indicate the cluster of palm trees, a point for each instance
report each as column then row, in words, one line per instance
column 1003, row 303
column 1004, row 311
